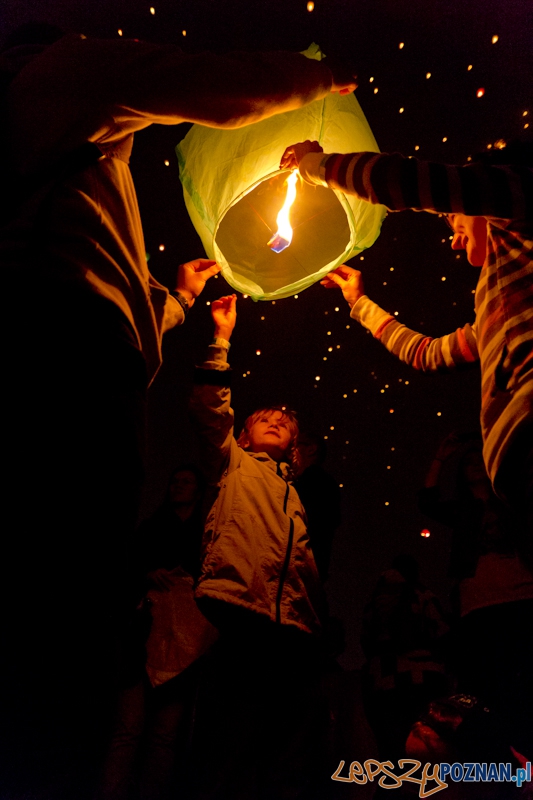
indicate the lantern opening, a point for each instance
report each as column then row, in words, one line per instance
column 321, row 232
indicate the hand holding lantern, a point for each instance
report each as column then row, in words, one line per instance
column 293, row 155
column 193, row 276
column 224, row 313
column 349, row 280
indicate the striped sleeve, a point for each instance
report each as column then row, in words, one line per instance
column 445, row 353
column 397, row 182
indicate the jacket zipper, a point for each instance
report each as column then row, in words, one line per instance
column 285, row 567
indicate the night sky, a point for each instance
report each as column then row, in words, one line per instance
column 383, row 421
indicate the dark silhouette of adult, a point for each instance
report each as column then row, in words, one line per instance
column 493, row 592
column 83, row 321
column 403, row 637
column 151, row 739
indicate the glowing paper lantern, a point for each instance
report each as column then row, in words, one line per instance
column 234, row 189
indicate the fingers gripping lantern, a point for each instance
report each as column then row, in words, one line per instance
column 234, row 189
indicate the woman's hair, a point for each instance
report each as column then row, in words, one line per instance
column 291, row 454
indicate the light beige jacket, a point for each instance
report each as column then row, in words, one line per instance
column 257, row 553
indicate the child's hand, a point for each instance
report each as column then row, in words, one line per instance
column 349, row 280
column 293, row 155
column 224, row 313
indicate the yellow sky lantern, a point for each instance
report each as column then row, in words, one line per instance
column 234, row 190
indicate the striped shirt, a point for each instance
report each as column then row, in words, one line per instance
column 501, row 337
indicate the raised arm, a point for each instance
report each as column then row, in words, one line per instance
column 210, row 405
column 398, row 182
column 445, row 353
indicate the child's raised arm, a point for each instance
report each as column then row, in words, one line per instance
column 210, row 409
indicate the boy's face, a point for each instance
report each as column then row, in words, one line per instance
column 470, row 234
column 270, row 434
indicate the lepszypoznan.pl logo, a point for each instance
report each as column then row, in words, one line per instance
column 431, row 778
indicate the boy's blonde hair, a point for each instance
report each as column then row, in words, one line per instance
column 291, row 454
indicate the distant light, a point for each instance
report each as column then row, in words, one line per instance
column 317, row 377
column 376, row 90
column 443, row 278
column 258, row 352
column 345, row 396
column 245, row 296
column 445, row 139
column 262, row 317
column 386, row 502
column 167, row 163
column 184, row 33
column 401, row 45
column 355, row 390
column 152, row 10
column 341, row 485
column 401, row 110
column 208, row 303
column 391, row 411
column 439, row 414
column 425, row 533
column 406, row 382
column 417, row 147
column 391, row 269
column 428, row 75
column 119, row 31
column 310, row 6
column 525, row 113
column 469, row 67
column 296, row 297
column 330, row 349
column 372, row 81
column 526, row 125
column 388, row 467
column 332, row 427
column 161, row 247
column 337, row 309
column 329, row 333
column 480, row 92
column 494, row 39
column 500, row 144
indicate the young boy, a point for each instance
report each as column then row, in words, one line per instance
column 260, row 586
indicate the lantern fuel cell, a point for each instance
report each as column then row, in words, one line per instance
column 278, row 243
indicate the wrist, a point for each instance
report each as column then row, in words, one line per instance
column 186, row 294
column 223, row 333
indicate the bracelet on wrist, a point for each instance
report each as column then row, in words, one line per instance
column 184, row 303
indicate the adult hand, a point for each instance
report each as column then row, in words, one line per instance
column 193, row 276
column 349, row 280
column 293, row 155
column 224, row 313
column 344, row 82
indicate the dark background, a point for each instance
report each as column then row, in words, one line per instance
column 379, row 457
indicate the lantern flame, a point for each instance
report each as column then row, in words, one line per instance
column 283, row 236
